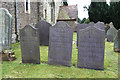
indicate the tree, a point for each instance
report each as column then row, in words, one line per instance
column 87, row 21
column 99, row 11
column 115, row 13
column 65, row 3
column 79, row 20
column 83, row 20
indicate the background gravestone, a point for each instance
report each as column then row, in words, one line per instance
column 5, row 29
column 117, row 42
column 91, row 47
column 14, row 38
column 107, row 27
column 29, row 39
column 82, row 26
column 60, row 45
column 111, row 33
column 91, row 23
column 100, row 25
column 43, row 28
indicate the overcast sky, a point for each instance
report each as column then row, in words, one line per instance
column 82, row 13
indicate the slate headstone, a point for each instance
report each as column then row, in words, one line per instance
column 91, row 23
column 60, row 44
column 107, row 27
column 43, row 28
column 14, row 38
column 100, row 25
column 111, row 33
column 117, row 42
column 29, row 39
column 82, row 26
column 5, row 29
column 91, row 45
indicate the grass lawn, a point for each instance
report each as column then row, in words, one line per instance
column 16, row 70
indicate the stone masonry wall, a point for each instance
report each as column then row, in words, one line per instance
column 27, row 18
column 23, row 18
column 10, row 6
column 37, row 13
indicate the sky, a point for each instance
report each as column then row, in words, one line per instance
column 82, row 13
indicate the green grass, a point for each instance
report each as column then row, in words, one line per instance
column 16, row 70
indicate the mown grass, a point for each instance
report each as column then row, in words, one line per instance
column 17, row 70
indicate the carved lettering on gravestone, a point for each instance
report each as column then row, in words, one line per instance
column 111, row 33
column 5, row 29
column 43, row 28
column 82, row 26
column 117, row 42
column 60, row 45
column 91, row 45
column 29, row 39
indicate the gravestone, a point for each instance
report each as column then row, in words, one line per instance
column 29, row 39
column 82, row 26
column 107, row 27
column 117, row 42
column 5, row 29
column 91, row 45
column 111, row 33
column 43, row 28
column 60, row 45
column 14, row 38
column 91, row 23
column 100, row 25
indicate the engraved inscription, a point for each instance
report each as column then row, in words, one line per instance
column 91, row 44
column 29, row 45
column 82, row 26
column 60, row 45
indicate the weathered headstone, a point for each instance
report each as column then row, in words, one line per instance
column 43, row 28
column 29, row 39
column 91, row 45
column 14, row 38
column 5, row 29
column 79, row 27
column 100, row 25
column 117, row 42
column 91, row 23
column 111, row 33
column 60, row 44
column 107, row 27
column 82, row 26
